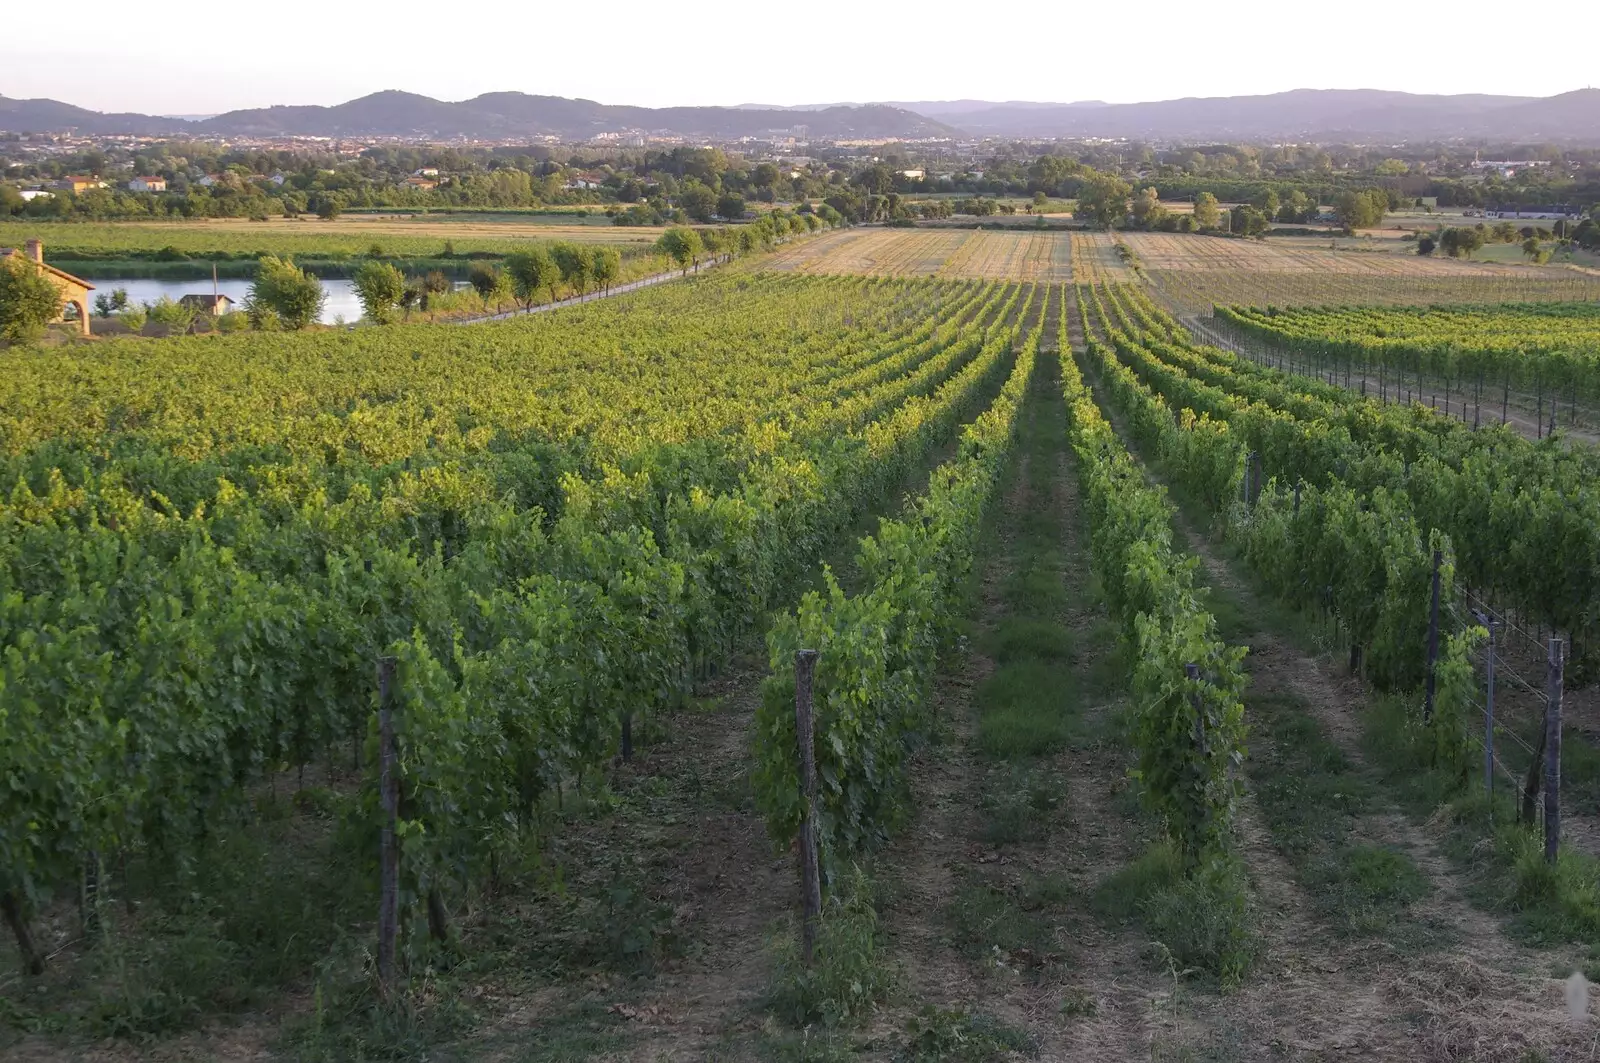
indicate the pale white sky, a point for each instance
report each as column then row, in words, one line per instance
column 111, row 56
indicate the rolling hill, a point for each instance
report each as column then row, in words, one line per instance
column 493, row 115
column 1299, row 114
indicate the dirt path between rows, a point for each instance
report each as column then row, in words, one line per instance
column 1485, row 994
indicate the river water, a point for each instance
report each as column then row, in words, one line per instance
column 342, row 302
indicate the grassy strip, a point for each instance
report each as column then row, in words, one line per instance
column 237, row 268
column 1314, row 799
column 1028, row 708
column 1549, row 905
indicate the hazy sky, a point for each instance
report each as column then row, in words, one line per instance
column 115, row 57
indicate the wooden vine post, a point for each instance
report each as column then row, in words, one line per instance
column 16, row 919
column 1488, row 716
column 1192, row 673
column 389, row 852
column 805, row 666
column 1433, row 642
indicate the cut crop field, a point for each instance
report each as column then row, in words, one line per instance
column 955, row 253
column 1195, row 272
column 763, row 666
column 1179, row 251
column 1095, row 258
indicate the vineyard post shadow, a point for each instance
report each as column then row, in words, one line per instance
column 1489, row 621
column 1546, row 763
column 389, row 854
column 805, row 665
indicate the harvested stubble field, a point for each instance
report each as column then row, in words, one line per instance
column 1196, row 272
column 1095, row 259
column 1038, row 256
column 1176, row 251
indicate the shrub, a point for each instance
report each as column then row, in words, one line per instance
column 379, row 286
column 848, row 975
column 170, row 316
column 285, row 293
column 1200, row 923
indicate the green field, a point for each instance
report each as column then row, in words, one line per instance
column 311, row 238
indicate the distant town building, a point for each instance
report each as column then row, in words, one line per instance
column 211, row 180
column 1548, row 211
column 426, row 171
column 913, row 175
column 74, row 290
column 585, row 179
column 421, row 184
column 1507, row 167
column 34, row 193
column 148, row 184
column 79, row 184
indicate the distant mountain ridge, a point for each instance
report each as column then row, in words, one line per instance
column 1304, row 113
column 941, row 109
column 494, row 115
column 1298, row 114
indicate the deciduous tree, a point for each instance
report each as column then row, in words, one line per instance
column 1461, row 242
column 1103, row 200
column 605, row 267
column 1148, row 213
column 29, row 299
column 681, row 245
column 283, row 293
column 379, row 286
column 1249, row 221
column 698, row 201
column 530, row 271
column 1297, row 208
column 575, row 264
column 1361, row 210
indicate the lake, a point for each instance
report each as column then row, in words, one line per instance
column 342, row 301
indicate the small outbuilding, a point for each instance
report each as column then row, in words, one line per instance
column 212, row 305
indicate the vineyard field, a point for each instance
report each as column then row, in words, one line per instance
column 1503, row 501
column 906, row 645
column 465, row 516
